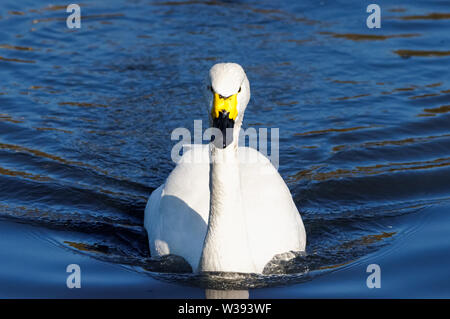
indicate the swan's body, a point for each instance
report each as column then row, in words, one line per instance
column 224, row 208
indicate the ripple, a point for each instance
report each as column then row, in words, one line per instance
column 81, row 104
column 369, row 37
column 85, row 17
column 16, row 13
column 16, row 60
column 406, row 141
column 53, row 129
column 423, row 96
column 13, row 173
column 18, row 148
column 437, row 110
column 421, row 53
column 378, row 169
column 15, row 47
column 368, row 239
column 430, row 16
column 339, row 130
column 397, row 10
column 8, row 118
column 344, row 98
column 346, row 82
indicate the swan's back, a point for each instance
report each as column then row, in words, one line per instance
column 177, row 213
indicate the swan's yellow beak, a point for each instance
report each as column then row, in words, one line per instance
column 224, row 105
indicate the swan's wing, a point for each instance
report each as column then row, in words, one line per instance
column 151, row 219
column 176, row 215
column 273, row 221
column 177, row 212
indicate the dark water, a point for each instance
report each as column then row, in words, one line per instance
column 86, row 117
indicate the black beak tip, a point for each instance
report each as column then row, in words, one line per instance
column 223, row 122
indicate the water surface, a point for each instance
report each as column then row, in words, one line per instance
column 86, row 117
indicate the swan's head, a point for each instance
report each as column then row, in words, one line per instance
column 230, row 92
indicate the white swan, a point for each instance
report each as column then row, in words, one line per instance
column 224, row 212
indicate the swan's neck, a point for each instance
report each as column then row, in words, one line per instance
column 226, row 246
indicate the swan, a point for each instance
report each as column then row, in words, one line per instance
column 224, row 213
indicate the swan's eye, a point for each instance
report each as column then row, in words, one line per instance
column 240, row 89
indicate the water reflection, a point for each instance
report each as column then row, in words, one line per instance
column 430, row 16
column 86, row 117
column 369, row 37
column 226, row 294
column 421, row 53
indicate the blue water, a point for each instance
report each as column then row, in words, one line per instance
column 86, row 117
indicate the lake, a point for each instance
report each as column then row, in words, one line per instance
column 86, row 117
